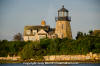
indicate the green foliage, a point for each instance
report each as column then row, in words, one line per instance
column 90, row 32
column 10, row 47
column 79, row 35
column 18, row 37
column 84, row 44
column 32, row 51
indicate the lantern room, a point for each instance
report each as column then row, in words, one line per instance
column 63, row 15
column 62, row 12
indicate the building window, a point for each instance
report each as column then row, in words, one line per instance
column 34, row 39
column 28, row 37
column 62, row 36
column 28, row 32
column 62, row 26
column 34, row 32
column 42, row 36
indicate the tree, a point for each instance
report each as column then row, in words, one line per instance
column 32, row 50
column 3, row 48
column 53, row 47
column 90, row 32
column 18, row 37
column 79, row 35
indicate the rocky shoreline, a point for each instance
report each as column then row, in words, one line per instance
column 41, row 61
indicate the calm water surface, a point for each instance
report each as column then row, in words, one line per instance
column 21, row 64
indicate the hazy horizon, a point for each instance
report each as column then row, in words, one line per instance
column 15, row 14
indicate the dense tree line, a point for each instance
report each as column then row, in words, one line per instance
column 83, row 44
column 11, row 47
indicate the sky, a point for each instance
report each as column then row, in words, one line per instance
column 15, row 14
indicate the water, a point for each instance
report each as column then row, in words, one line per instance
column 21, row 64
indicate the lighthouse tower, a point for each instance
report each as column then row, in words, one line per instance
column 63, row 28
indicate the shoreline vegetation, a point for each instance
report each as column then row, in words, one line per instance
column 82, row 45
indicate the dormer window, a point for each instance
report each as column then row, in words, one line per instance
column 28, row 32
column 34, row 32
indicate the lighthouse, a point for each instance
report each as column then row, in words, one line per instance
column 63, row 28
